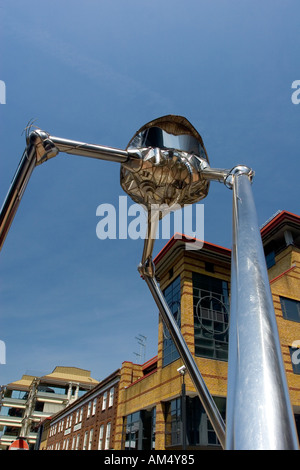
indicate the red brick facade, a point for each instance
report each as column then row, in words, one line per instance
column 87, row 424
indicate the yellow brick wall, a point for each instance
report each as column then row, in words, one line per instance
column 287, row 285
column 165, row 383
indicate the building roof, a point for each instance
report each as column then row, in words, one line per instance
column 59, row 374
column 180, row 242
column 22, row 384
column 70, row 374
column 279, row 221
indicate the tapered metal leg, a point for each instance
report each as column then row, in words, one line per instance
column 16, row 190
column 259, row 413
column 188, row 360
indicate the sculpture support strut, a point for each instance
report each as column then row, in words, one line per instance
column 188, row 360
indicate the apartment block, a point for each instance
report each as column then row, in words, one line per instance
column 27, row 401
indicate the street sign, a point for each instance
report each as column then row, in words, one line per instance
column 19, row 444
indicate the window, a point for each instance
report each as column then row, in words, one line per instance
column 172, row 296
column 199, row 431
column 81, row 413
column 107, row 436
column 77, row 441
column 211, row 316
column 85, row 440
column 270, row 259
column 91, row 439
column 290, row 309
column 94, row 406
column 89, row 409
column 104, row 401
column 139, row 430
column 295, row 358
column 209, row 267
column 132, row 431
column 101, row 433
column 176, row 423
column 111, row 397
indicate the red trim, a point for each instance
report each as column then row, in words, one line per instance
column 141, row 378
column 283, row 215
column 282, row 274
column 277, row 219
column 145, row 365
column 149, row 363
column 187, row 239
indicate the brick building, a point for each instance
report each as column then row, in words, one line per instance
column 196, row 285
column 86, row 424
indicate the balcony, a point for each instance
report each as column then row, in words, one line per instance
column 13, row 402
column 49, row 397
column 31, row 437
column 7, row 439
column 40, row 415
column 14, row 421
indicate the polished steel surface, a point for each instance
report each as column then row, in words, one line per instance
column 40, row 147
column 259, row 413
column 165, row 175
column 90, row 150
column 188, row 360
column 16, row 190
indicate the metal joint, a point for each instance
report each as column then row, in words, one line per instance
column 237, row 171
column 147, row 268
column 44, row 146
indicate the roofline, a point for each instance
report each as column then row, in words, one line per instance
column 179, row 237
column 277, row 219
column 145, row 364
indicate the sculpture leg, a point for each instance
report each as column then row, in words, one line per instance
column 259, row 414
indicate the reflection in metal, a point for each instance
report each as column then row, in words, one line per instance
column 165, row 165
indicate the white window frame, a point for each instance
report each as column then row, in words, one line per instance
column 85, row 440
column 104, row 402
column 101, row 434
column 88, row 414
column 107, row 436
column 94, row 406
column 111, row 397
column 90, row 439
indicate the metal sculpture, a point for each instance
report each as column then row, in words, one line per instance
column 165, row 165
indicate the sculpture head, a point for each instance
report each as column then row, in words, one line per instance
column 168, row 171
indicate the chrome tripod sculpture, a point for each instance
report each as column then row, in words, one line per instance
column 165, row 165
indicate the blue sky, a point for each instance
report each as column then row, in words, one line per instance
column 96, row 71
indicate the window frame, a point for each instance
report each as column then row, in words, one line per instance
column 284, row 301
